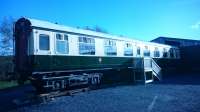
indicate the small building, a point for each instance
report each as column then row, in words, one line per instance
column 176, row 41
column 189, row 52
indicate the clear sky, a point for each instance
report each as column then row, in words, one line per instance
column 139, row 19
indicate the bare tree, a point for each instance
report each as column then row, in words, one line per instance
column 6, row 36
column 6, row 48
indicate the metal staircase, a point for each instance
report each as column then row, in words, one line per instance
column 151, row 70
column 147, row 71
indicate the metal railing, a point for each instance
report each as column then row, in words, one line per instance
column 156, row 69
column 150, row 64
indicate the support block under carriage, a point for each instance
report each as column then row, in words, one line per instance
column 62, row 81
column 56, row 82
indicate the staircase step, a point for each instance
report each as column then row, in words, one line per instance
column 147, row 69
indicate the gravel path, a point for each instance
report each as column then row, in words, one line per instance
column 137, row 98
column 177, row 93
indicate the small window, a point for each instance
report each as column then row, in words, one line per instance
column 128, row 49
column 177, row 53
column 66, row 37
column 58, row 36
column 110, row 47
column 164, row 52
column 156, row 52
column 171, row 52
column 146, row 51
column 138, row 50
column 62, row 46
column 86, row 46
column 44, row 42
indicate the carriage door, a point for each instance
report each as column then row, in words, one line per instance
column 43, row 42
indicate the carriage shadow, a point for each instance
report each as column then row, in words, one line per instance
column 181, row 79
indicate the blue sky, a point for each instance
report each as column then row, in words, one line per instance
column 138, row 19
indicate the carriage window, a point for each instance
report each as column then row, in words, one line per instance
column 146, row 51
column 110, row 47
column 62, row 45
column 177, row 53
column 164, row 52
column 44, row 42
column 138, row 50
column 156, row 52
column 128, row 49
column 86, row 46
column 171, row 52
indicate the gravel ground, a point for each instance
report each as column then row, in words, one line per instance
column 174, row 96
column 149, row 98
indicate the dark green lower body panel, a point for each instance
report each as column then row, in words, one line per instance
column 56, row 63
column 65, row 70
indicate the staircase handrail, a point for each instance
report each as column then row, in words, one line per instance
column 156, row 69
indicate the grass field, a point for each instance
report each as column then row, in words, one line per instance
column 7, row 84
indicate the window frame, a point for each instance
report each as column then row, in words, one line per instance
column 128, row 46
column 62, row 39
column 172, row 53
column 177, row 53
column 165, row 52
column 86, row 41
column 156, row 50
column 39, row 36
column 110, row 43
column 146, row 51
column 138, row 51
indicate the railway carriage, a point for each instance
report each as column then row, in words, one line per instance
column 57, row 57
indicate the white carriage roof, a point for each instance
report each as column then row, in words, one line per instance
column 53, row 26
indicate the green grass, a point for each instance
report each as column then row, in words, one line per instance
column 7, row 84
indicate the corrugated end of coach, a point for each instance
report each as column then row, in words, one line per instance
column 22, row 31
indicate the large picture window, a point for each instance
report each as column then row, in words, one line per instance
column 128, row 49
column 62, row 46
column 44, row 42
column 86, row 46
column 110, row 47
column 146, row 51
column 156, row 52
